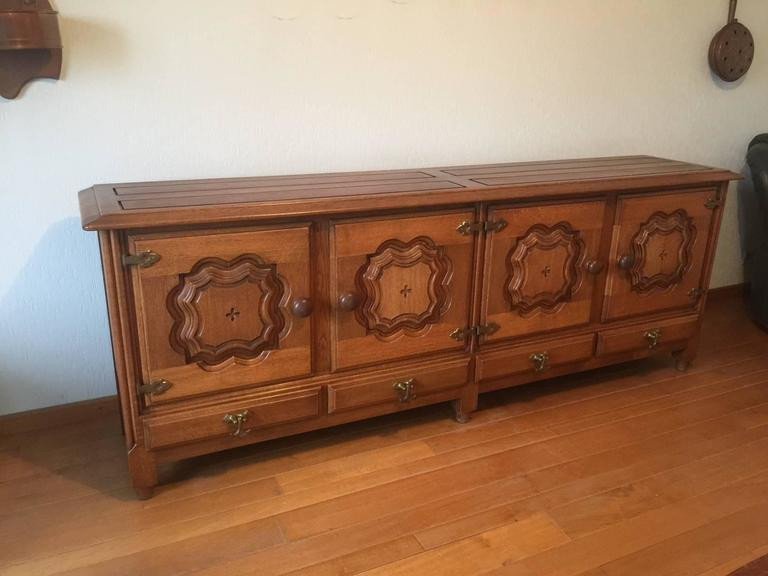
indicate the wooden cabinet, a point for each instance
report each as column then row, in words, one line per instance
column 250, row 309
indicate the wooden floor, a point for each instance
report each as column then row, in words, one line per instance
column 637, row 470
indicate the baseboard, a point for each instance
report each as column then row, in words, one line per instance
column 62, row 415
column 726, row 292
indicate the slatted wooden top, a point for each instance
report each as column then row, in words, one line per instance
column 149, row 204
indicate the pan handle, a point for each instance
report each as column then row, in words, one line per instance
column 732, row 11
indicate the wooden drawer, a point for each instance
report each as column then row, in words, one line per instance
column 268, row 408
column 535, row 359
column 398, row 387
column 646, row 338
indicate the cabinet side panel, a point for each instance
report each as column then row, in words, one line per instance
column 119, row 325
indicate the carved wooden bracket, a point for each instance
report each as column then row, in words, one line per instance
column 227, row 312
column 30, row 44
column 404, row 287
column 544, row 268
column 662, row 251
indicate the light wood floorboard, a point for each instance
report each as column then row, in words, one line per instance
column 629, row 470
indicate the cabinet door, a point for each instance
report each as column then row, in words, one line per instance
column 223, row 310
column 658, row 254
column 401, row 286
column 541, row 268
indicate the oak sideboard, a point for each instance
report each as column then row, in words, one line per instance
column 248, row 309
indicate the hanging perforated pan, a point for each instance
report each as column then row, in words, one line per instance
column 732, row 49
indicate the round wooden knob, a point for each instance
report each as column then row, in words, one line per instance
column 348, row 301
column 301, row 307
column 626, row 262
column 595, row 267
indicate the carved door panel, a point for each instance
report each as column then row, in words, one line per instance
column 658, row 253
column 541, row 268
column 222, row 310
column 401, row 286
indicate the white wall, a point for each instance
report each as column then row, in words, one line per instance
column 193, row 89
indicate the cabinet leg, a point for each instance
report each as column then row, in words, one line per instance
column 464, row 406
column 143, row 469
column 684, row 358
column 682, row 365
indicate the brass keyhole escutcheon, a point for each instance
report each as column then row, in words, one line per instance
column 236, row 421
column 540, row 361
column 653, row 337
column 405, row 390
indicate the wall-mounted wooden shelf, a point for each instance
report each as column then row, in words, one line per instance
column 30, row 44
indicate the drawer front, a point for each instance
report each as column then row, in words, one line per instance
column 400, row 287
column 234, row 419
column 398, row 388
column 535, row 359
column 541, row 268
column 644, row 339
column 219, row 310
column 659, row 253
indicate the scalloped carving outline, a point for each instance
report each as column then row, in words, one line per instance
column 188, row 322
column 543, row 237
column 665, row 224
column 420, row 250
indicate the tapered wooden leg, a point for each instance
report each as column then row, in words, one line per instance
column 682, row 365
column 464, row 406
column 684, row 357
column 143, row 470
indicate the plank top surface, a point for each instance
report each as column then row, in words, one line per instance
column 132, row 205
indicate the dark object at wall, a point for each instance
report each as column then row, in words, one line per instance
column 30, row 44
column 732, row 49
column 754, row 223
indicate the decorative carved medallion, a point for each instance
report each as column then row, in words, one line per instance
column 544, row 268
column 404, row 287
column 227, row 312
column 662, row 251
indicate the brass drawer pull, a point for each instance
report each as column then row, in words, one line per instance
column 236, row 421
column 653, row 337
column 405, row 390
column 540, row 361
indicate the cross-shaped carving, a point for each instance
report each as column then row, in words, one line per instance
column 233, row 314
column 663, row 254
column 405, row 291
column 546, row 272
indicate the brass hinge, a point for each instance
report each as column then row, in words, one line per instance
column 144, row 259
column 484, row 330
column 713, row 203
column 461, row 334
column 467, row 228
column 695, row 294
column 487, row 329
column 155, row 388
